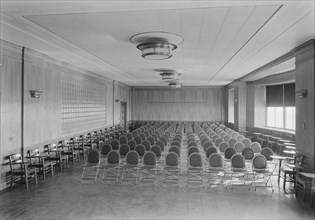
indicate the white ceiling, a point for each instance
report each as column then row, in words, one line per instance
column 223, row 40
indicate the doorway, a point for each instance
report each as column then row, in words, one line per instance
column 123, row 115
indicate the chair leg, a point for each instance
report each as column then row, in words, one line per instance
column 26, row 179
column 284, row 180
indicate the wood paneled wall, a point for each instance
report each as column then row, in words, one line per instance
column 73, row 101
column 184, row 104
column 305, row 107
column 10, row 104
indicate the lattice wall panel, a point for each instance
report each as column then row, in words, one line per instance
column 83, row 104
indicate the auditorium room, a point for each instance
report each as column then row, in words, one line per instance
column 157, row 109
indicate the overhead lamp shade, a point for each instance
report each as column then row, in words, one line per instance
column 170, row 76
column 156, row 50
column 175, row 85
column 156, row 45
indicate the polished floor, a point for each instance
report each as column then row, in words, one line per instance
column 66, row 196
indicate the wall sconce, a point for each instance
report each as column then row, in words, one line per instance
column 116, row 100
column 301, row 93
column 36, row 93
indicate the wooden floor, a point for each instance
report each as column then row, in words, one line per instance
column 66, row 196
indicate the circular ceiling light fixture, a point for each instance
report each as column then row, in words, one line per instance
column 170, row 75
column 175, row 85
column 156, row 45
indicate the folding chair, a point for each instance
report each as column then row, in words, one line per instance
column 140, row 149
column 91, row 166
column 147, row 144
column 239, row 147
column 171, row 170
column 256, row 147
column 175, row 149
column 247, row 142
column 195, row 170
column 132, row 144
column 111, row 170
column 123, row 150
column 216, row 170
column 130, row 170
column 238, row 169
column 123, row 139
column 223, row 146
column 115, row 144
column 232, row 142
column 149, row 170
column 262, row 175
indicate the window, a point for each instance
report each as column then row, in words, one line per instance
column 280, row 101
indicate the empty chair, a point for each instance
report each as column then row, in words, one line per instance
column 248, row 153
column 215, row 137
column 21, row 169
column 178, row 139
column 204, row 140
column 223, row 146
column 129, row 136
column 149, row 170
column 232, row 142
column 147, row 144
column 123, row 150
column 256, row 147
column 227, row 138
column 267, row 152
column 239, row 147
column 123, row 139
column 143, row 137
column 132, row 144
column 105, row 149
column 140, row 148
column 41, row 162
column 135, row 133
column 218, row 141
column 130, row 171
column 195, row 170
column 238, row 169
column 193, row 150
column 216, row 170
column 175, row 143
column 111, row 170
column 164, row 139
column 192, row 144
column 171, row 170
column 91, row 166
column 261, row 172
column 161, row 144
column 229, row 152
column 137, row 139
column 175, row 149
column 210, row 151
column 206, row 145
column 115, row 144
column 235, row 135
column 151, row 139
column 247, row 142
column 240, row 138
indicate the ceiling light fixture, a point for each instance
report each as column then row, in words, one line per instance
column 156, row 45
column 170, row 75
column 175, row 85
